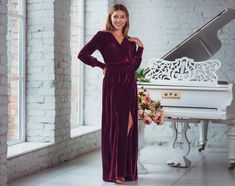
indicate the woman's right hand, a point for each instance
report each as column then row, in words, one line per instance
column 137, row 41
column 104, row 71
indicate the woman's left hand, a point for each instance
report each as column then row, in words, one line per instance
column 137, row 41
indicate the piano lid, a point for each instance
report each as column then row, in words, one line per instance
column 203, row 43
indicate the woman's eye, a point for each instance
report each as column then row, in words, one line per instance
column 116, row 17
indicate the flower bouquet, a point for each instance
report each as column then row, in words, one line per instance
column 149, row 110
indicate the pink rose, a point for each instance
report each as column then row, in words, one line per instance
column 159, row 118
column 147, row 112
column 147, row 100
column 140, row 114
column 147, row 120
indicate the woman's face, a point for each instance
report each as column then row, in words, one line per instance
column 118, row 19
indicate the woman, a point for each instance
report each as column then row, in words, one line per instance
column 119, row 101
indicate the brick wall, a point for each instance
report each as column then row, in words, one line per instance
column 3, row 93
column 40, row 94
column 164, row 24
column 62, row 70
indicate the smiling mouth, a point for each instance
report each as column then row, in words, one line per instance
column 119, row 24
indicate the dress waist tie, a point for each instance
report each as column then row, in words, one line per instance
column 119, row 66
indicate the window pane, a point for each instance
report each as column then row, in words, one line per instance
column 75, row 69
column 14, row 75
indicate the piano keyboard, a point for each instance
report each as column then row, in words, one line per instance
column 193, row 112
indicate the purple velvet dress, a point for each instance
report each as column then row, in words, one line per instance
column 119, row 150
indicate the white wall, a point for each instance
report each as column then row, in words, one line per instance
column 40, row 56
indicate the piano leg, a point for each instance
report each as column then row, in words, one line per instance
column 203, row 128
column 141, row 126
column 180, row 145
column 231, row 141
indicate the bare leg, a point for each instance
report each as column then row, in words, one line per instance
column 130, row 123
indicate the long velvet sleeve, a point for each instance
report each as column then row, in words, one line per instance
column 85, row 55
column 137, row 58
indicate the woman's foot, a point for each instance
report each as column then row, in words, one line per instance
column 120, row 180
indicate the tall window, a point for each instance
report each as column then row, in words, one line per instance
column 16, row 70
column 76, row 41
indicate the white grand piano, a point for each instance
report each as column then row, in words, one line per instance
column 186, row 83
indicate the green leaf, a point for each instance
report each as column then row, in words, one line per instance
column 140, row 75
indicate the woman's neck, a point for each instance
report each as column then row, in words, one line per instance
column 117, row 33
